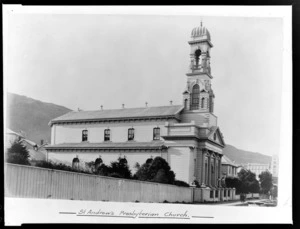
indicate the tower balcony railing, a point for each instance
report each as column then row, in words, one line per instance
column 186, row 129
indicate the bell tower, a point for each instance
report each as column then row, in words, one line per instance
column 199, row 96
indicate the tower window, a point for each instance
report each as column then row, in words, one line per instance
column 130, row 134
column 202, row 102
column 156, row 133
column 107, row 135
column 197, row 57
column 84, row 135
column 195, row 97
column 185, row 103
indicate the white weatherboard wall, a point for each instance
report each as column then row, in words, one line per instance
column 179, row 159
column 132, row 157
column 72, row 133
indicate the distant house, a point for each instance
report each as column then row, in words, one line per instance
column 11, row 137
column 229, row 168
column 37, row 153
column 257, row 168
column 274, row 166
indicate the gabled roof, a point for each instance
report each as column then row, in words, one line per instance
column 9, row 131
column 109, row 145
column 216, row 129
column 37, row 155
column 227, row 161
column 115, row 114
column 29, row 142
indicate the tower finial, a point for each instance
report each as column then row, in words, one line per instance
column 201, row 22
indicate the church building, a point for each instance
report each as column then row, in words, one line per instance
column 187, row 136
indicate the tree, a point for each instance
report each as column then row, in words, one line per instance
column 143, row 172
column 232, row 182
column 248, row 182
column 156, row 170
column 18, row 154
column 120, row 168
column 265, row 179
column 102, row 170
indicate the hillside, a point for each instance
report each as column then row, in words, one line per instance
column 243, row 157
column 31, row 116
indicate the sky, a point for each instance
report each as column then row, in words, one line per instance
column 88, row 60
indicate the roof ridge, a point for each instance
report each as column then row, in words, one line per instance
column 126, row 108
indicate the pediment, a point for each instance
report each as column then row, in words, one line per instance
column 216, row 136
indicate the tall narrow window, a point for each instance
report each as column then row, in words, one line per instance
column 130, row 134
column 202, row 102
column 195, row 167
column 206, row 171
column 195, row 97
column 156, row 133
column 107, row 135
column 215, row 136
column 84, row 135
column 185, row 103
column 197, row 57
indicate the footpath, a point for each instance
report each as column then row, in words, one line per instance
column 249, row 202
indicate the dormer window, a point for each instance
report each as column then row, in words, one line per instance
column 130, row 134
column 107, row 135
column 84, row 135
column 215, row 136
column 156, row 133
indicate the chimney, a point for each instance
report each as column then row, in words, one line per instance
column 146, row 104
column 123, row 105
column 42, row 142
column 171, row 102
column 101, row 107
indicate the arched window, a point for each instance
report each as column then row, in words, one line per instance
column 75, row 163
column 202, row 102
column 107, row 135
column 195, row 97
column 84, row 135
column 156, row 133
column 98, row 162
column 197, row 57
column 130, row 134
column 185, row 103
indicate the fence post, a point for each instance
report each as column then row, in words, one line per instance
column 193, row 195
